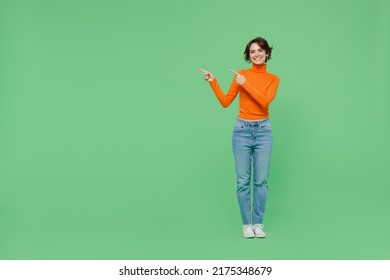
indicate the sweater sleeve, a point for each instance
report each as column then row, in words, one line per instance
column 227, row 99
column 263, row 97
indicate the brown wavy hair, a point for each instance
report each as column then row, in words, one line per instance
column 263, row 44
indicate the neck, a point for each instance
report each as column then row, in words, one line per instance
column 259, row 68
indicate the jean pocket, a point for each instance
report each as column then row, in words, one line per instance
column 238, row 127
column 266, row 127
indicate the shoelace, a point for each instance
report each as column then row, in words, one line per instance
column 259, row 226
column 247, row 227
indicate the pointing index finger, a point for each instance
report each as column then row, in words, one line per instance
column 234, row 72
column 204, row 71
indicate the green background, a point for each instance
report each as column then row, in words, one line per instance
column 112, row 146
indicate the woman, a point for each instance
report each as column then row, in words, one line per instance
column 252, row 133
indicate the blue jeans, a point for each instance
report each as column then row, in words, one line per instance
column 252, row 145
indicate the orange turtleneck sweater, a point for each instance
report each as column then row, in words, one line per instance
column 256, row 93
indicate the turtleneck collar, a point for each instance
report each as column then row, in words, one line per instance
column 259, row 68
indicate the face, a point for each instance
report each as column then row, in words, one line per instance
column 257, row 55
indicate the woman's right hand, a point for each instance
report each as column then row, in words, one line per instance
column 208, row 76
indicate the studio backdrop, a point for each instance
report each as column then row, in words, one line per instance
column 112, row 146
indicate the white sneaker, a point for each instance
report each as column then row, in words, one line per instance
column 247, row 231
column 258, row 228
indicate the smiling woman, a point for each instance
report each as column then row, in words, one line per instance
column 258, row 51
column 252, row 133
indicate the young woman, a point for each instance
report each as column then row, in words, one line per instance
column 252, row 132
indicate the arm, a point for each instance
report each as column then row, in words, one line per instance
column 227, row 99
column 263, row 98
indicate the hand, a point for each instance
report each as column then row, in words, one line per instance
column 208, row 76
column 240, row 79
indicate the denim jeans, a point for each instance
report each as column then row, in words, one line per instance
column 252, row 145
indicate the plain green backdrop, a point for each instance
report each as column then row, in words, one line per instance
column 112, row 146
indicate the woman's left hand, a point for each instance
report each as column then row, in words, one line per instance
column 240, row 79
